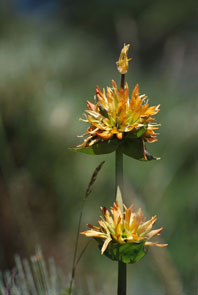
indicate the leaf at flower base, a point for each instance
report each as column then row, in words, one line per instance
column 149, row 156
column 102, row 147
column 126, row 253
column 132, row 147
column 135, row 148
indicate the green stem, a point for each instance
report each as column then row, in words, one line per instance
column 76, row 249
column 119, row 177
column 122, row 272
column 122, row 81
column 122, row 278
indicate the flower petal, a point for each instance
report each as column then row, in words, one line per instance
column 105, row 245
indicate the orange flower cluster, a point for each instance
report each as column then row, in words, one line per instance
column 114, row 114
column 126, row 227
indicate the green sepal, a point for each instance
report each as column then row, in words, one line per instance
column 137, row 134
column 140, row 132
column 126, row 253
column 103, row 112
column 99, row 148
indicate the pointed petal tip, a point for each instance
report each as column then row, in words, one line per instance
column 105, row 245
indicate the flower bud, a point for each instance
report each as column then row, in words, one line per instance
column 123, row 62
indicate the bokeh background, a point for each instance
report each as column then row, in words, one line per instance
column 53, row 53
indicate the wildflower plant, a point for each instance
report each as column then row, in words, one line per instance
column 124, row 236
column 119, row 121
column 122, row 124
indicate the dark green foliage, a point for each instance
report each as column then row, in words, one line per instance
column 132, row 147
column 100, row 148
column 126, row 253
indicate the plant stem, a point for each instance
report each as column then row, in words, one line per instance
column 122, row 278
column 119, row 177
column 87, row 193
column 122, row 273
column 122, row 81
column 76, row 249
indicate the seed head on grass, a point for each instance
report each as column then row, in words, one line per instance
column 93, row 179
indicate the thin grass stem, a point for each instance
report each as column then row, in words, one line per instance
column 87, row 193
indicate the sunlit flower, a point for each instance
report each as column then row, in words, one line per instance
column 115, row 115
column 123, row 62
column 123, row 228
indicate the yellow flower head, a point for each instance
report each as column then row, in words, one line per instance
column 123, row 62
column 115, row 115
column 123, row 228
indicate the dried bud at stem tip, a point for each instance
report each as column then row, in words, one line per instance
column 123, row 62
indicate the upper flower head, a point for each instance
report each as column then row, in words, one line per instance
column 124, row 228
column 123, row 62
column 115, row 114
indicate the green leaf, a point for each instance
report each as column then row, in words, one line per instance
column 133, row 148
column 102, row 147
column 136, row 134
column 126, row 253
column 140, row 132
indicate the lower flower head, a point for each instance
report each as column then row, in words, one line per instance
column 123, row 228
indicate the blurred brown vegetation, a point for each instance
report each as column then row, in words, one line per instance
column 51, row 59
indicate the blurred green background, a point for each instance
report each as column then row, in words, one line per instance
column 52, row 55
